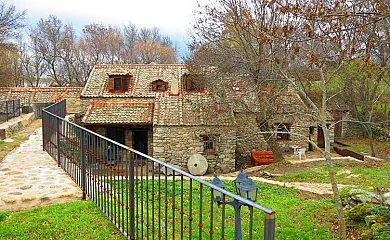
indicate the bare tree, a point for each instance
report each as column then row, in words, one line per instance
column 266, row 40
column 9, row 67
column 69, row 59
column 130, row 38
column 10, row 22
column 32, row 65
column 47, row 36
column 153, row 47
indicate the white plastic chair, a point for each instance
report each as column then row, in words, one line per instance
column 302, row 153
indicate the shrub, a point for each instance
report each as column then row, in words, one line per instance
column 358, row 212
column 381, row 211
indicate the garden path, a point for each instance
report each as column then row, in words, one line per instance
column 317, row 188
column 30, row 178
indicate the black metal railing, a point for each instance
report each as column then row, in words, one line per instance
column 9, row 109
column 143, row 197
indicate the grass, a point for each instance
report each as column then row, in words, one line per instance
column 312, row 219
column 361, row 145
column 76, row 220
column 299, row 215
column 347, row 172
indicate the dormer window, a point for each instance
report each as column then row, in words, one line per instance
column 236, row 88
column 189, row 84
column 118, row 83
column 159, row 86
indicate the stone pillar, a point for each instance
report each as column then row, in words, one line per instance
column 150, row 142
column 129, row 138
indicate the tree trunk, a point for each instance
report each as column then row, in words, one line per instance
column 336, row 194
column 328, row 158
column 371, row 142
column 272, row 143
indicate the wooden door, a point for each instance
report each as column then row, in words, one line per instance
column 320, row 137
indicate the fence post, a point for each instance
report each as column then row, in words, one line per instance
column 131, row 193
column 18, row 107
column 6, row 109
column 83, row 164
column 43, row 131
column 13, row 108
column 269, row 226
column 58, row 140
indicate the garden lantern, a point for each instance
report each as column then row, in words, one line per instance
column 217, row 195
column 241, row 177
column 248, row 189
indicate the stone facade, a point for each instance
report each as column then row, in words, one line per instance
column 29, row 96
column 176, row 145
column 249, row 137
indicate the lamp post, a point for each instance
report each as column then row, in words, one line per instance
column 246, row 188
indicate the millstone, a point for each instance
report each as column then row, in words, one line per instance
column 197, row 165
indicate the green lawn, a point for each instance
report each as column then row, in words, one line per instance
column 347, row 172
column 76, row 220
column 298, row 216
column 361, row 145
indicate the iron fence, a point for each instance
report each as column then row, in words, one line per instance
column 131, row 189
column 9, row 109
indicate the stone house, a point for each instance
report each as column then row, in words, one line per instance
column 157, row 109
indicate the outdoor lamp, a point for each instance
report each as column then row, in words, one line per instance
column 240, row 178
column 248, row 189
column 217, row 195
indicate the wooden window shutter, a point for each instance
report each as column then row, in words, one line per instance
column 125, row 84
column 164, row 87
column 111, row 84
column 154, row 87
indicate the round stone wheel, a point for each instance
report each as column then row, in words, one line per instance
column 197, row 165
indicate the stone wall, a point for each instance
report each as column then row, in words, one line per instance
column 248, row 137
column 30, row 95
column 175, row 145
column 351, row 129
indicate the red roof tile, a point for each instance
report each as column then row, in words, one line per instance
column 119, row 113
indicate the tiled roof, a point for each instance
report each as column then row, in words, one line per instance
column 175, row 106
column 190, row 110
column 119, row 113
column 142, row 77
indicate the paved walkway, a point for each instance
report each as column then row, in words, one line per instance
column 29, row 178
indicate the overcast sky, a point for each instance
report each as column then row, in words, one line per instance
column 173, row 17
